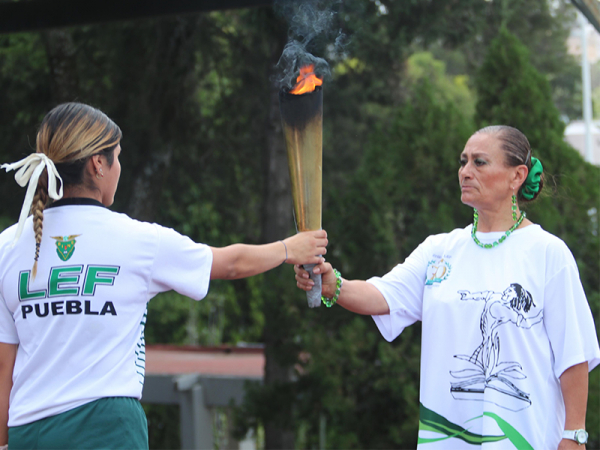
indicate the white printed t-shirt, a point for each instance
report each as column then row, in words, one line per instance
column 80, row 323
column 499, row 328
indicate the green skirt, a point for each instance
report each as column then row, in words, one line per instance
column 107, row 423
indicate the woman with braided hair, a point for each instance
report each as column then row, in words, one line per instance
column 73, row 306
column 508, row 338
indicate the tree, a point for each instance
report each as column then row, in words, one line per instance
column 543, row 27
column 453, row 89
column 25, row 95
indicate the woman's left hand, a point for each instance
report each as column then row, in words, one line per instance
column 306, row 247
column 329, row 280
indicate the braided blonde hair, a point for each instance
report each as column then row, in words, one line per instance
column 69, row 135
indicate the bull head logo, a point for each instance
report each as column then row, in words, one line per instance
column 65, row 246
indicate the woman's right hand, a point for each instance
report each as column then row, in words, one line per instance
column 306, row 247
column 328, row 278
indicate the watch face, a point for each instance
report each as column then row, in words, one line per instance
column 581, row 436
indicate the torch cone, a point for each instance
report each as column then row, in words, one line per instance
column 302, row 119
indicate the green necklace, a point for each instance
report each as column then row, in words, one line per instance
column 502, row 238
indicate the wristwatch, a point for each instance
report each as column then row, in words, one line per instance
column 579, row 436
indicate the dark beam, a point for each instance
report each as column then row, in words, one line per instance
column 591, row 10
column 32, row 15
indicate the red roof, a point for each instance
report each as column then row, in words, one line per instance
column 223, row 360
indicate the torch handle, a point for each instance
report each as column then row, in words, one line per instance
column 314, row 295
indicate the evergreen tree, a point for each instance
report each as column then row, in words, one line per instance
column 512, row 92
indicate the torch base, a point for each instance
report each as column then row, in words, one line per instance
column 314, row 295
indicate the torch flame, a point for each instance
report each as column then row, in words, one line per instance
column 306, row 81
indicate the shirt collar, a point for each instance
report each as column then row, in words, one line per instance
column 75, row 201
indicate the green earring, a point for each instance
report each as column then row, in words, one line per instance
column 514, row 207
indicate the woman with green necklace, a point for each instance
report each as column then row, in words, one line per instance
column 508, row 338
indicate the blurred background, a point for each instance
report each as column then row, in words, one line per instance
column 203, row 152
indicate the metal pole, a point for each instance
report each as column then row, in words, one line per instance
column 195, row 417
column 587, row 90
column 322, row 432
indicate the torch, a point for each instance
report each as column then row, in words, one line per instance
column 302, row 118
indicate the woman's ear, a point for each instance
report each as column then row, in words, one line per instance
column 521, row 174
column 96, row 166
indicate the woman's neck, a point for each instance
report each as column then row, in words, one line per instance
column 499, row 219
column 81, row 192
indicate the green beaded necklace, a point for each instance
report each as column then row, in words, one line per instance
column 502, row 238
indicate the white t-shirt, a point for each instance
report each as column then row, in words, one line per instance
column 80, row 323
column 499, row 328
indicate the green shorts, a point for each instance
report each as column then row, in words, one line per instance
column 107, row 423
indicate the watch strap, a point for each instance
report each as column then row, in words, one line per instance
column 569, row 434
column 572, row 434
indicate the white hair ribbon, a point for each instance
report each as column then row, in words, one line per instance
column 30, row 170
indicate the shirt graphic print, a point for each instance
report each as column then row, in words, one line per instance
column 484, row 371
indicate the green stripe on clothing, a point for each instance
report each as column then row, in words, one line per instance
column 432, row 421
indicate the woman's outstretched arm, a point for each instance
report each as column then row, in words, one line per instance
column 8, row 352
column 357, row 296
column 241, row 260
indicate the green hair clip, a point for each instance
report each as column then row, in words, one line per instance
column 532, row 183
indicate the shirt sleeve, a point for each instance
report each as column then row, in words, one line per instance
column 569, row 322
column 8, row 330
column 402, row 289
column 180, row 264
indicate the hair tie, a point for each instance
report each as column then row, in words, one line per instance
column 30, row 170
column 532, row 183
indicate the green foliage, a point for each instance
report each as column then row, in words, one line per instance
column 233, row 314
column 163, row 426
column 596, row 102
column 542, row 26
column 512, row 92
column 167, row 318
column 405, row 189
column 453, row 89
column 24, row 96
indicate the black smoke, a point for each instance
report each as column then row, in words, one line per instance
column 312, row 31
